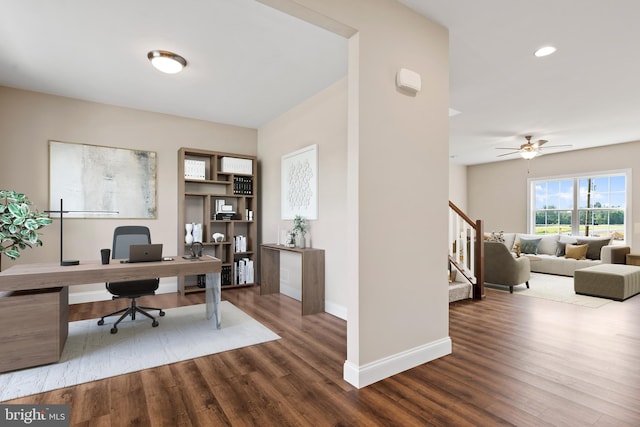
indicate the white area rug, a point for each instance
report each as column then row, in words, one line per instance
column 555, row 288
column 92, row 352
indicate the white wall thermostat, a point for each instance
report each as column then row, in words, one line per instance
column 408, row 80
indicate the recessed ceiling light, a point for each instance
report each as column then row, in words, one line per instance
column 544, row 51
column 167, row 62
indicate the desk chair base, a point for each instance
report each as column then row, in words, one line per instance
column 131, row 311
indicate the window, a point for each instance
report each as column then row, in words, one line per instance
column 594, row 205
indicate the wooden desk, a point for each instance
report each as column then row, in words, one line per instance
column 34, row 313
column 312, row 275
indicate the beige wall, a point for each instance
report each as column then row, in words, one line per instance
column 497, row 192
column 320, row 120
column 398, row 160
column 28, row 120
column 458, row 185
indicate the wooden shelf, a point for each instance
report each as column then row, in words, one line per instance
column 196, row 204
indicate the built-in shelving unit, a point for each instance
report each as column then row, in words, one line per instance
column 219, row 191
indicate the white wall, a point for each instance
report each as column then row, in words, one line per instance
column 497, row 192
column 29, row 119
column 320, row 120
column 397, row 316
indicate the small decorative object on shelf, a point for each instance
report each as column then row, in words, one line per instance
column 197, row 233
column 188, row 238
column 300, row 228
column 217, row 237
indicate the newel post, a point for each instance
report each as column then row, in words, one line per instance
column 478, row 287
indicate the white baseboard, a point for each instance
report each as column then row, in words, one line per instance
column 362, row 376
column 104, row 295
column 340, row 311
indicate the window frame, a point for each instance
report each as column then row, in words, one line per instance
column 575, row 211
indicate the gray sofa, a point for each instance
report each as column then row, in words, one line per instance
column 549, row 254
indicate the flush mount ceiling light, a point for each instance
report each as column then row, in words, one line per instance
column 167, row 62
column 544, row 51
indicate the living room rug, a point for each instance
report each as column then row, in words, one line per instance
column 93, row 353
column 554, row 288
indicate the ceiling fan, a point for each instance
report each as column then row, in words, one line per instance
column 529, row 150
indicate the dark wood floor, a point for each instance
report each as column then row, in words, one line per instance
column 516, row 361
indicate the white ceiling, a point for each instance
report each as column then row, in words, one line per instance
column 249, row 63
column 586, row 94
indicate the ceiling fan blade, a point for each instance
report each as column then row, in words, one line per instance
column 506, row 154
column 507, row 148
column 539, row 143
column 557, row 146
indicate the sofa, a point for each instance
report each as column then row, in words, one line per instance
column 562, row 254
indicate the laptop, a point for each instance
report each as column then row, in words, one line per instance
column 145, row 253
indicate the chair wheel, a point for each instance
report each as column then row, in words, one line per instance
column 101, row 322
column 162, row 313
column 114, row 330
column 155, row 323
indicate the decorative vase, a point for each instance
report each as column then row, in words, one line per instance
column 300, row 241
column 188, row 238
column 197, row 233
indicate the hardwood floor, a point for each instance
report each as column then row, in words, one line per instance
column 516, row 361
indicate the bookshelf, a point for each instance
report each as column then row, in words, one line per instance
column 219, row 191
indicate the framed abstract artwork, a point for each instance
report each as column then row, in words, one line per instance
column 102, row 182
column 299, row 183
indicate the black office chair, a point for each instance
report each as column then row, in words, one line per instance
column 123, row 237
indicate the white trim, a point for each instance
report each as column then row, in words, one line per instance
column 338, row 310
column 362, row 376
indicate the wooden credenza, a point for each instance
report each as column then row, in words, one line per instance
column 312, row 275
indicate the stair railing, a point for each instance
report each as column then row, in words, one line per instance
column 466, row 249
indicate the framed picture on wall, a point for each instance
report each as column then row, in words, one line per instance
column 299, row 183
column 96, row 181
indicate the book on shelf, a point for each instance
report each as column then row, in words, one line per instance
column 243, row 185
column 244, row 271
column 225, row 216
column 225, row 275
column 240, row 243
column 194, row 169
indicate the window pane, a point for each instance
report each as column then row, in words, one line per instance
column 618, row 183
column 617, row 200
column 566, row 195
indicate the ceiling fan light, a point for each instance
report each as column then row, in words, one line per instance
column 544, row 51
column 528, row 154
column 167, row 62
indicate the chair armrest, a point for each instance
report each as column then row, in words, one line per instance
column 614, row 254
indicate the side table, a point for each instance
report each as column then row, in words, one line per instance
column 633, row 259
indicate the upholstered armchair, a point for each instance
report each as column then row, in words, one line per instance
column 502, row 268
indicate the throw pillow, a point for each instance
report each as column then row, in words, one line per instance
column 529, row 246
column 560, row 248
column 576, row 251
column 595, row 246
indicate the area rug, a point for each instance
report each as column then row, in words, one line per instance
column 554, row 288
column 93, row 353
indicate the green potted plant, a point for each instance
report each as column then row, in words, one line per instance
column 19, row 223
column 300, row 228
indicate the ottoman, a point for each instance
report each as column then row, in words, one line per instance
column 614, row 281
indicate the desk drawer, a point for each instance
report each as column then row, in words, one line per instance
column 34, row 327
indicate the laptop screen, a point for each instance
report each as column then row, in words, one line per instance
column 145, row 253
